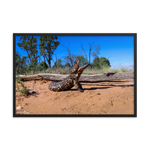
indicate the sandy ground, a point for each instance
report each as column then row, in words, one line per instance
column 94, row 100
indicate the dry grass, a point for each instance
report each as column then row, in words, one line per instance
column 106, row 70
column 89, row 71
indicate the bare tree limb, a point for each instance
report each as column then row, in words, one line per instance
column 91, row 45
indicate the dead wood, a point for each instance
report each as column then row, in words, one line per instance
column 83, row 78
column 105, row 84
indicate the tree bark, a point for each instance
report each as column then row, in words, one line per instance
column 84, row 78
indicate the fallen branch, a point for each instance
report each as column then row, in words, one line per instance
column 105, row 84
column 83, row 78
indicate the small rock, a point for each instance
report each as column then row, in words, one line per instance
column 31, row 91
column 98, row 94
column 18, row 107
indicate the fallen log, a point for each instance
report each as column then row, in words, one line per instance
column 83, row 78
column 105, row 84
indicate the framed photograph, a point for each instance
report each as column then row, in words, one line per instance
column 74, row 75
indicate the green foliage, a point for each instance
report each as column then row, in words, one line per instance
column 18, row 80
column 96, row 63
column 57, row 64
column 47, row 46
column 101, row 62
column 26, row 64
column 104, row 62
column 43, row 65
column 21, row 65
column 83, row 60
column 28, row 43
column 24, row 89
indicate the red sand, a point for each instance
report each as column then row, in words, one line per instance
column 94, row 100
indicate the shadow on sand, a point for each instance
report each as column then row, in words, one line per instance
column 92, row 88
column 95, row 88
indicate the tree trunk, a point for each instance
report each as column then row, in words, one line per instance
column 44, row 59
column 49, row 63
column 49, row 60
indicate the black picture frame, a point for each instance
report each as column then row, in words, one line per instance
column 15, row 33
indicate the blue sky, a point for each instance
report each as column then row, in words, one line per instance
column 119, row 50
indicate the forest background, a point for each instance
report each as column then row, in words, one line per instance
column 57, row 54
